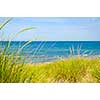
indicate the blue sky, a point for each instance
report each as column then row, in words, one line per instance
column 55, row 28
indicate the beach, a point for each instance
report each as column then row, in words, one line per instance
column 59, row 58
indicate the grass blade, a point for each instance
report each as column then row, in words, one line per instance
column 5, row 23
column 25, row 29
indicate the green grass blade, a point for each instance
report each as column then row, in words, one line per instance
column 5, row 23
column 25, row 29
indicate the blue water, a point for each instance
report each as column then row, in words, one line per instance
column 44, row 51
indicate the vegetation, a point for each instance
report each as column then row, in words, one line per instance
column 65, row 70
column 72, row 69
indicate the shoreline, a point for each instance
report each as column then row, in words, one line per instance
column 62, row 59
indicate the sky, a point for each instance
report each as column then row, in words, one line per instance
column 53, row 28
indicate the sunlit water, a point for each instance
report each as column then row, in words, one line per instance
column 43, row 51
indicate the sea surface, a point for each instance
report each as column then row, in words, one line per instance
column 45, row 51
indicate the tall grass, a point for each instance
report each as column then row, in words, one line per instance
column 13, row 68
column 11, row 64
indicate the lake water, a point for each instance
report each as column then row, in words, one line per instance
column 44, row 51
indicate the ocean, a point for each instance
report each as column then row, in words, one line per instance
column 46, row 51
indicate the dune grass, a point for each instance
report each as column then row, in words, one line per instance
column 13, row 68
column 71, row 70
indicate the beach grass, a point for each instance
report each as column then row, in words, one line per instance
column 13, row 68
column 70, row 70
